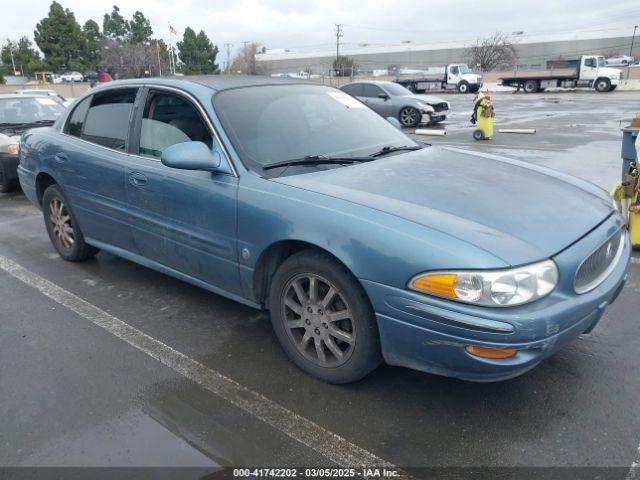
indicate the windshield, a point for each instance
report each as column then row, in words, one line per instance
column 276, row 123
column 601, row 62
column 396, row 90
column 464, row 69
column 29, row 110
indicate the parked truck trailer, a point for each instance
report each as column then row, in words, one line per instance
column 455, row 76
column 588, row 71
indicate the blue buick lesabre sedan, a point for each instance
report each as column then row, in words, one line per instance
column 363, row 244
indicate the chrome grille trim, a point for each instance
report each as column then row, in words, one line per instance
column 594, row 270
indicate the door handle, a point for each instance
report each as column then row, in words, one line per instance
column 61, row 157
column 137, row 179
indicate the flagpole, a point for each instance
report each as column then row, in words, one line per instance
column 159, row 64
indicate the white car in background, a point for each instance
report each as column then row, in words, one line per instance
column 41, row 92
column 619, row 61
column 72, row 77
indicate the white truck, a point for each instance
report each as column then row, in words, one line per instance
column 455, row 76
column 589, row 71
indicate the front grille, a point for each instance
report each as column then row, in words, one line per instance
column 439, row 107
column 597, row 266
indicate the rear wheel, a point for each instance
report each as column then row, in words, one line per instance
column 530, row 86
column 323, row 318
column 62, row 227
column 603, row 85
column 478, row 135
column 409, row 117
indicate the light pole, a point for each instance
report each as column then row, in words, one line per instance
column 635, row 27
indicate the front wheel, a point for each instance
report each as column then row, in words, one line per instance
column 6, row 185
column 62, row 227
column 409, row 117
column 463, row 87
column 323, row 318
column 603, row 85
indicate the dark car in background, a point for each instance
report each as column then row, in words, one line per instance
column 18, row 113
column 389, row 99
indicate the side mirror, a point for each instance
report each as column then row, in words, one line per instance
column 394, row 121
column 190, row 156
column 384, row 96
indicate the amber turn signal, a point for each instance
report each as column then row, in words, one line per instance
column 12, row 149
column 490, row 352
column 436, row 284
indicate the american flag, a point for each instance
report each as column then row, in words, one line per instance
column 172, row 30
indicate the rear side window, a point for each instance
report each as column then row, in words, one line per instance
column 355, row 89
column 76, row 120
column 107, row 121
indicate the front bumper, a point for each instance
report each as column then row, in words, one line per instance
column 9, row 165
column 428, row 118
column 429, row 334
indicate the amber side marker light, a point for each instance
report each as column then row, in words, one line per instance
column 489, row 352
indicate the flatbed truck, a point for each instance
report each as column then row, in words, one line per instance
column 455, row 76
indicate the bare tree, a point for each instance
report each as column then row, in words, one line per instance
column 245, row 61
column 491, row 53
column 134, row 61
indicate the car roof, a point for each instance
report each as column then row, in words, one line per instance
column 19, row 95
column 380, row 83
column 215, row 82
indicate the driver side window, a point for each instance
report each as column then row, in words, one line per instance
column 169, row 119
column 454, row 70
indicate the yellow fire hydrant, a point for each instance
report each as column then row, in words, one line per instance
column 482, row 117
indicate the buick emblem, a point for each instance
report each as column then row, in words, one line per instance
column 609, row 252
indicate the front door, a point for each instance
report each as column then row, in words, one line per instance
column 182, row 219
column 371, row 96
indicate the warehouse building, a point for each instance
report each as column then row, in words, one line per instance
column 533, row 51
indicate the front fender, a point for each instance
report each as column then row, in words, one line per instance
column 374, row 245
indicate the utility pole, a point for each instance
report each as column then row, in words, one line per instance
column 228, row 46
column 635, row 27
column 339, row 35
column 13, row 63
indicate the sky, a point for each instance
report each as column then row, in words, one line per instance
column 310, row 24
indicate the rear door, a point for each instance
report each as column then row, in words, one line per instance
column 182, row 219
column 93, row 162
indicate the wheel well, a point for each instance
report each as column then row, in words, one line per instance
column 269, row 261
column 43, row 181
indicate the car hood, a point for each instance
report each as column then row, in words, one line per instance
column 519, row 212
column 430, row 99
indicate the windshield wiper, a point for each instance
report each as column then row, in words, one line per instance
column 316, row 160
column 389, row 149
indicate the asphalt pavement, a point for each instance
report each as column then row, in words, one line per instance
column 107, row 363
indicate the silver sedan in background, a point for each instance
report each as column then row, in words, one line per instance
column 389, row 99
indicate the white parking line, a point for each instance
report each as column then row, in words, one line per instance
column 635, row 260
column 634, row 471
column 328, row 444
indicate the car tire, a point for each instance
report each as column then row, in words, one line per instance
column 463, row 87
column 409, row 117
column 602, row 85
column 62, row 227
column 334, row 339
column 6, row 185
column 530, row 86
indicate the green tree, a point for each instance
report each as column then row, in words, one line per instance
column 114, row 25
column 60, row 38
column 91, row 31
column 197, row 53
column 343, row 66
column 140, row 30
column 26, row 58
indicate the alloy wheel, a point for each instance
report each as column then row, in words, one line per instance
column 61, row 223
column 409, row 117
column 318, row 320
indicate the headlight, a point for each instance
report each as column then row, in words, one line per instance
column 13, row 148
column 491, row 288
column 425, row 107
